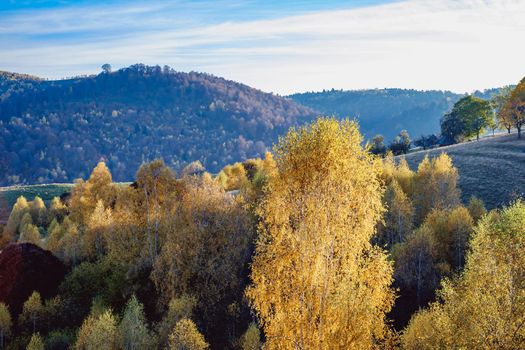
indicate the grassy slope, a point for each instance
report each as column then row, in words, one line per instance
column 493, row 168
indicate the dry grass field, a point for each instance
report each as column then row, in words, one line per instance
column 492, row 169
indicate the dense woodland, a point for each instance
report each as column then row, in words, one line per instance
column 320, row 244
column 50, row 130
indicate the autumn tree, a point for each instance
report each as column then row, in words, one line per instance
column 231, row 177
column 251, row 339
column 155, row 182
column 399, row 216
column 20, row 208
column 133, row 331
column 69, row 247
column 38, row 211
column 36, row 342
column 436, row 186
column 435, row 250
column 55, row 234
column 98, row 332
column 32, row 313
column 476, row 208
column 513, row 112
column 498, row 102
column 30, row 234
column 317, row 280
column 86, row 194
column 5, row 324
column 178, row 309
column 57, row 209
column 98, row 223
column 484, row 307
column 206, row 254
column 186, row 336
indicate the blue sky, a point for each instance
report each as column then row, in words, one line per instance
column 278, row 46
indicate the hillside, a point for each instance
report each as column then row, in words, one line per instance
column 492, row 168
column 387, row 111
column 384, row 111
column 54, row 131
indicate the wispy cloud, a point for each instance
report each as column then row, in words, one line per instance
column 459, row 45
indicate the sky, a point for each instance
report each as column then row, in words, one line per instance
column 276, row 46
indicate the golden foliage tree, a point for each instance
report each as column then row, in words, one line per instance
column 178, row 309
column 86, row 194
column 156, row 183
column 186, row 336
column 29, row 233
column 318, row 282
column 435, row 186
column 20, row 208
column 38, row 211
column 484, row 308
column 435, row 250
column 98, row 332
column 399, row 217
column 207, row 252
column 513, row 112
column 32, row 313
column 35, row 343
column 232, row 177
column 98, row 225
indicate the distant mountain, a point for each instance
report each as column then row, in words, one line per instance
column 56, row 131
column 384, row 111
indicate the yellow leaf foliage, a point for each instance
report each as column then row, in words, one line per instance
column 318, row 282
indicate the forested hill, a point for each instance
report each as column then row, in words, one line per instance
column 388, row 111
column 54, row 131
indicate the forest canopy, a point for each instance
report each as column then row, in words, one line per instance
column 320, row 244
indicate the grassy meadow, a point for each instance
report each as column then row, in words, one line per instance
column 491, row 169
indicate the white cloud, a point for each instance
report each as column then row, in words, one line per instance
column 458, row 45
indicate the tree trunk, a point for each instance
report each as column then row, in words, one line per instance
column 519, row 131
column 508, row 130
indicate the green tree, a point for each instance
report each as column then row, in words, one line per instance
column 469, row 117
column 133, row 329
column 186, row 336
column 318, row 282
column 476, row 208
column 401, row 143
column 378, row 145
column 5, row 324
